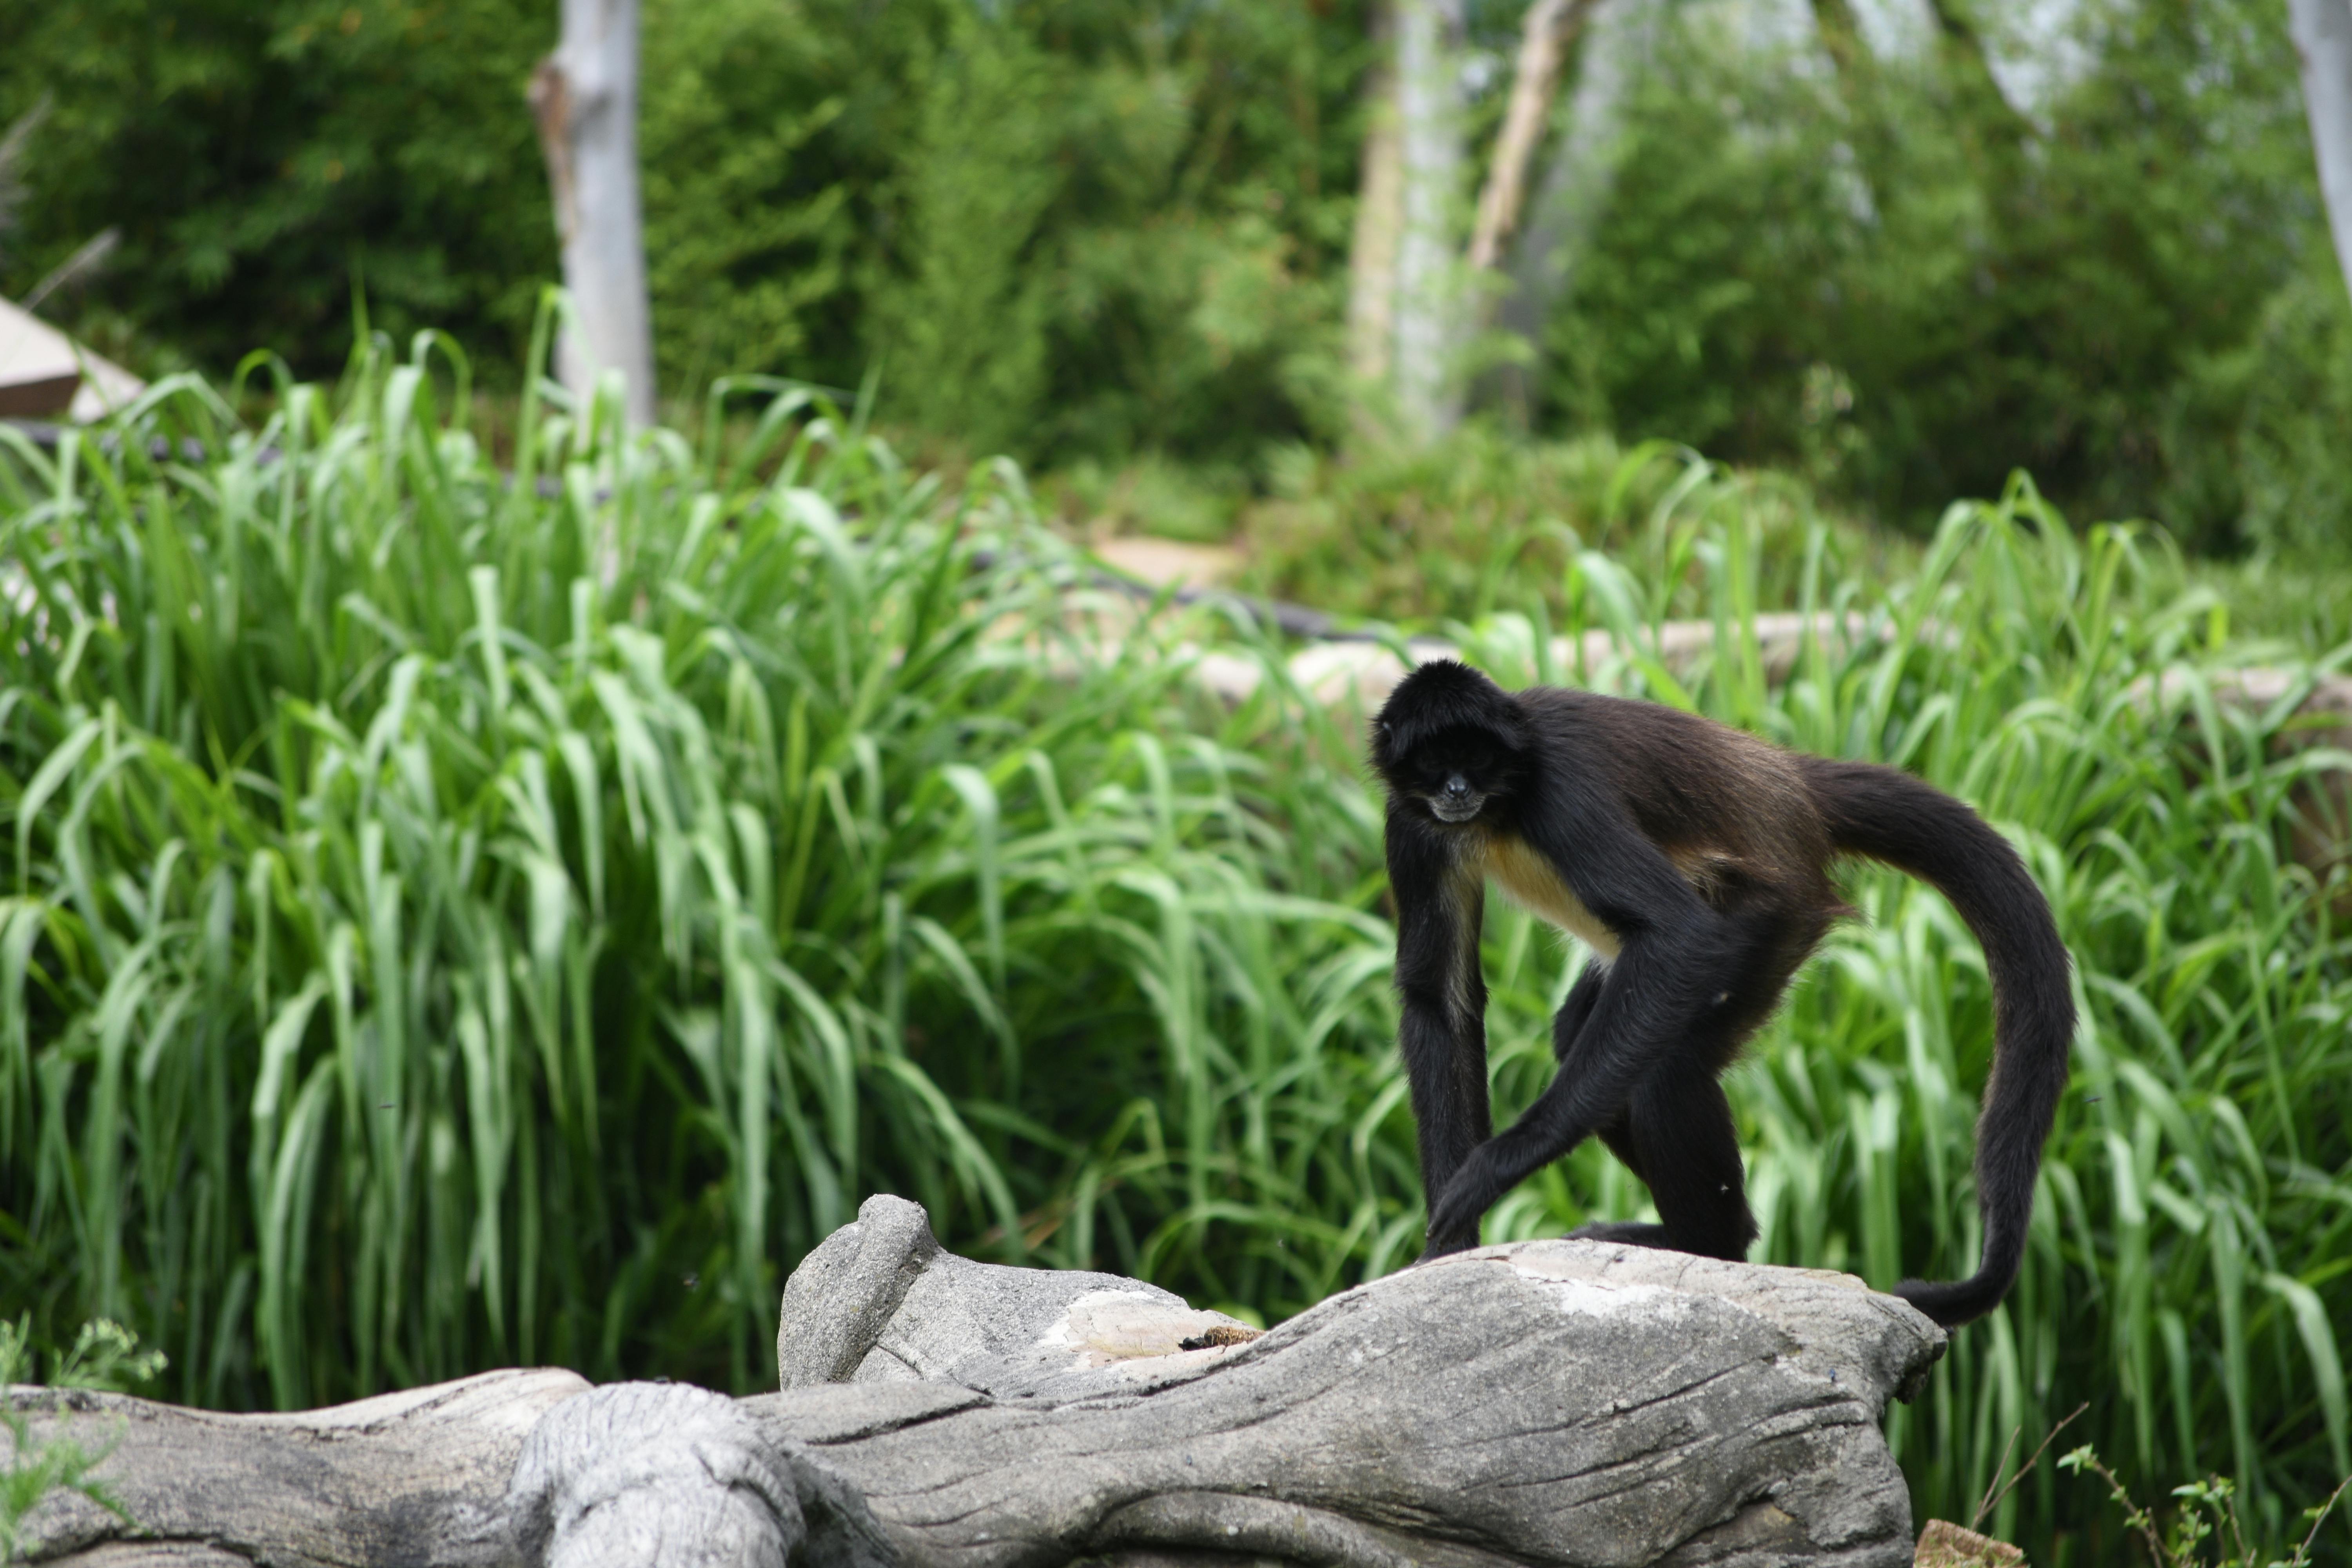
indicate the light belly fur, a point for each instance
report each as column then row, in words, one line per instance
column 1527, row 879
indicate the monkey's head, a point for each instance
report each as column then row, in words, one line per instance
column 1449, row 740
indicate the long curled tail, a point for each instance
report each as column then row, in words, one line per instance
column 1888, row 815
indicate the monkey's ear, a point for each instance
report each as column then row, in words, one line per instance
column 1502, row 720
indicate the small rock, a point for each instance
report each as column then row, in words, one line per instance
column 1944, row 1544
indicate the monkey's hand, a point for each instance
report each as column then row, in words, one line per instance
column 1453, row 1218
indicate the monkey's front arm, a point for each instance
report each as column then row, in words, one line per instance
column 1442, row 1034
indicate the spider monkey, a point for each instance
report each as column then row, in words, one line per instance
column 1694, row 858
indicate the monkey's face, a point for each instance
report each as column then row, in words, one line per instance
column 1458, row 774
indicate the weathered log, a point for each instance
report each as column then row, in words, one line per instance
column 1546, row 1401
column 406, row 1478
column 669, row 1474
column 1559, row 1402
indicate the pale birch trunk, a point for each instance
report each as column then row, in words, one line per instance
column 1380, row 220
column 1429, row 297
column 2323, row 39
column 584, row 98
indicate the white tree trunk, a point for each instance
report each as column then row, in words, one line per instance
column 2323, row 39
column 1428, row 295
column 584, row 97
column 1379, row 218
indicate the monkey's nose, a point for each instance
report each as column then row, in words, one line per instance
column 1457, row 787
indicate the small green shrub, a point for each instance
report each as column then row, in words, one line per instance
column 1194, row 502
column 1483, row 522
column 2208, row 1511
column 105, row 1355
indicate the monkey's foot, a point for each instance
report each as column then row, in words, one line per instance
column 1631, row 1233
column 1438, row 1247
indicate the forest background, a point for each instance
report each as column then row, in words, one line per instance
column 1898, row 254
column 424, row 948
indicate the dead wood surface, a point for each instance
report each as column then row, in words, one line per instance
column 406, row 1478
column 1556, row 1403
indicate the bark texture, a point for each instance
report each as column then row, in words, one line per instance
column 411, row 1478
column 1551, row 1403
column 1380, row 220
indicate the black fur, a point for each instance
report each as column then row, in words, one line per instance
column 1702, row 854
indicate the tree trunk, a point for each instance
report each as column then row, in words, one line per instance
column 1992, row 129
column 2323, row 40
column 1379, row 221
column 1575, row 188
column 1429, row 315
column 1550, row 26
column 584, row 98
column 1861, row 90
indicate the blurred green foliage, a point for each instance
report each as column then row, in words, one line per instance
column 1075, row 225
column 1109, row 231
column 1115, row 226
column 258, row 157
column 1481, row 522
column 1099, row 232
column 1908, row 289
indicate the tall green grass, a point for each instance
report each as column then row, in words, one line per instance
column 449, row 920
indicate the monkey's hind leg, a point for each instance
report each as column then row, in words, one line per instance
column 1567, row 1026
column 1619, row 1136
column 1678, row 1133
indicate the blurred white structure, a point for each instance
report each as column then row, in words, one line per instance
column 1429, row 314
column 43, row 374
column 2323, row 37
